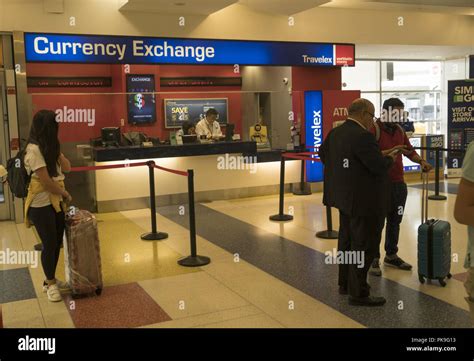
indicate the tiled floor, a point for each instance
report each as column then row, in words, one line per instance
column 262, row 273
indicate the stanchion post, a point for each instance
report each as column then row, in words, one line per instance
column 329, row 233
column 437, row 196
column 304, row 190
column 193, row 260
column 281, row 216
column 154, row 235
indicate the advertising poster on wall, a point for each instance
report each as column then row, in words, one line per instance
column 141, row 99
column 408, row 165
column 434, row 141
column 178, row 111
column 460, row 122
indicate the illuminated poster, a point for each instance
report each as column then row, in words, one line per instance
column 408, row 165
column 460, row 122
column 178, row 111
column 141, row 99
column 313, row 101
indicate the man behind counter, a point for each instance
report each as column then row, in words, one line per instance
column 209, row 126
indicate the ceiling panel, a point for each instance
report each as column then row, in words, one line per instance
column 414, row 52
column 461, row 7
column 282, row 7
column 290, row 7
column 185, row 7
column 462, row 3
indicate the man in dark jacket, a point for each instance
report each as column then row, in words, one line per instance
column 355, row 182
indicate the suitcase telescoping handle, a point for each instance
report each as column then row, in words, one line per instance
column 424, row 198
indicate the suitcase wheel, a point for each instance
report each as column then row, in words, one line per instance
column 98, row 291
column 441, row 282
column 449, row 275
column 421, row 278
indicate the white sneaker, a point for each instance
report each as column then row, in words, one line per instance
column 62, row 286
column 53, row 293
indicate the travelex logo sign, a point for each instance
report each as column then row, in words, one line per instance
column 143, row 50
column 314, row 132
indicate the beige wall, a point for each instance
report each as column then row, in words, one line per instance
column 239, row 22
column 126, row 183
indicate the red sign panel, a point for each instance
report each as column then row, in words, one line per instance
column 345, row 55
column 335, row 105
column 201, row 81
column 69, row 82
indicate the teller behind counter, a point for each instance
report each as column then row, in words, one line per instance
column 114, row 146
column 209, row 128
column 204, row 131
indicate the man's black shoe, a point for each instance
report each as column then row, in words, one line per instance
column 39, row 247
column 343, row 290
column 370, row 301
column 397, row 262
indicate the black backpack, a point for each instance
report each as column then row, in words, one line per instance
column 18, row 178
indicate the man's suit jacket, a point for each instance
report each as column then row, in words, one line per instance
column 355, row 172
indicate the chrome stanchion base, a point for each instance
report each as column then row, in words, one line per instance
column 154, row 236
column 305, row 191
column 328, row 234
column 281, row 217
column 438, row 197
column 194, row 261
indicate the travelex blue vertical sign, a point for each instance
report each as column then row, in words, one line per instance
column 313, row 101
column 67, row 48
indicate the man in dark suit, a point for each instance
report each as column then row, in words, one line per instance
column 355, row 182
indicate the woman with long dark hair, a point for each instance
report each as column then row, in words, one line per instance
column 44, row 206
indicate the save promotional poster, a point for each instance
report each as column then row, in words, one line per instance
column 68, row 48
column 178, row 111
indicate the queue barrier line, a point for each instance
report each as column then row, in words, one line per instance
column 179, row 172
column 437, row 150
column 111, row 166
column 329, row 233
column 194, row 260
column 296, row 156
column 307, row 153
column 304, row 189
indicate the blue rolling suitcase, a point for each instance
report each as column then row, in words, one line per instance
column 434, row 244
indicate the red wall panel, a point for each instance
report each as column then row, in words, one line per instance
column 335, row 105
column 111, row 108
column 316, row 78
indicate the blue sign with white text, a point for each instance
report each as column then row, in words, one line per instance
column 67, row 48
column 313, row 101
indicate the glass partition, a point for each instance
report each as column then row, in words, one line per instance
column 419, row 84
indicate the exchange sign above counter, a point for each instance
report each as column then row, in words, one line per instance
column 66, row 48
